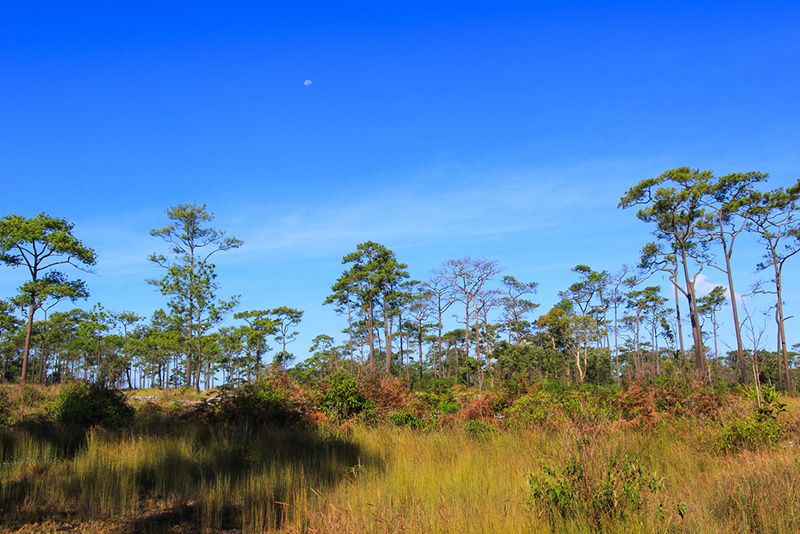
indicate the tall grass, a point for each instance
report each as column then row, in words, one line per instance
column 171, row 475
column 217, row 478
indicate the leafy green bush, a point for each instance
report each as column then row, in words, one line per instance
column 771, row 405
column 264, row 400
column 443, row 402
column 342, row 395
column 553, row 405
column 478, row 429
column 748, row 433
column 762, row 429
column 408, row 418
column 6, row 409
column 91, row 404
column 32, row 397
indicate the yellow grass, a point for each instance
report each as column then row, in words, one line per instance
column 191, row 478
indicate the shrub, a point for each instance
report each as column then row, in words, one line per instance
column 342, row 395
column 32, row 397
column 748, row 433
column 407, row 418
column 479, row 429
column 262, row 400
column 600, row 495
column 762, row 429
column 91, row 404
column 6, row 409
column 272, row 400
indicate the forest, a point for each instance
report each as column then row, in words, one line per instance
column 453, row 404
column 607, row 327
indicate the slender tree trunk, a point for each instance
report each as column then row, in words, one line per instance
column 783, row 353
column 419, row 342
column 466, row 329
column 740, row 359
column 26, row 351
column 638, row 345
column 699, row 355
column 350, row 328
column 680, row 325
column 716, row 345
column 370, row 338
column 616, row 338
column 387, row 329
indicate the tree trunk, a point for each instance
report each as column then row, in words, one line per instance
column 783, row 353
column 387, row 329
column 680, row 325
column 26, row 351
column 697, row 336
column 740, row 359
column 370, row 337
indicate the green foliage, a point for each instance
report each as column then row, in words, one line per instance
column 342, row 395
column 6, row 409
column 748, row 433
column 442, row 397
column 265, row 401
column 552, row 404
column 479, row 429
column 771, row 404
column 617, row 491
column 523, row 362
column 32, row 397
column 761, row 430
column 91, row 404
column 407, row 418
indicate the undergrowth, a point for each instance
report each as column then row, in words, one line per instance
column 362, row 454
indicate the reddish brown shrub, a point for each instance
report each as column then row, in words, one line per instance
column 481, row 407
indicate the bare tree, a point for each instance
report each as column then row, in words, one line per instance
column 466, row 278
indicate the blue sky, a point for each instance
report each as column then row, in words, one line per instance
column 493, row 129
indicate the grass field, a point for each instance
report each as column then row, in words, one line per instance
column 170, row 470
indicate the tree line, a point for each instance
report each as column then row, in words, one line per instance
column 607, row 326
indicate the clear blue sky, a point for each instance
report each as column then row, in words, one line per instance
column 495, row 129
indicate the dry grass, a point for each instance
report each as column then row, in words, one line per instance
column 192, row 478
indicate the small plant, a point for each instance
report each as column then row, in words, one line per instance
column 770, row 405
column 91, row 404
column 32, row 397
column 762, row 429
column 619, row 490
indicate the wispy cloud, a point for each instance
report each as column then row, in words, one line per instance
column 432, row 206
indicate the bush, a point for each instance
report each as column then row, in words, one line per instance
column 263, row 400
column 762, row 429
column 91, row 404
column 749, row 433
column 407, row 418
column 342, row 395
column 32, row 397
column 6, row 409
column 479, row 429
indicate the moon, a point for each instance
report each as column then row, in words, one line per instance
column 307, row 82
